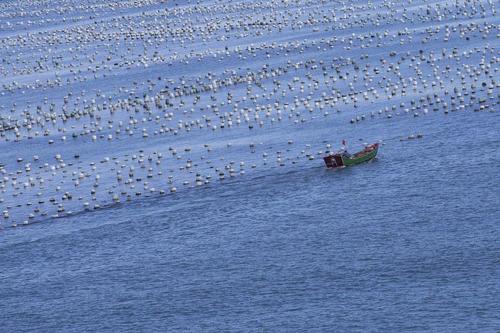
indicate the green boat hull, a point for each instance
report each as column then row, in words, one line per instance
column 341, row 160
column 361, row 159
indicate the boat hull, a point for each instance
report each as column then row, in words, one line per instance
column 341, row 160
column 358, row 160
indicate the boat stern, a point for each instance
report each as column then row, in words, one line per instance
column 333, row 161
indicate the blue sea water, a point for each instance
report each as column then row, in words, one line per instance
column 408, row 242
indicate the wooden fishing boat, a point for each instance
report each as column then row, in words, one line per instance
column 343, row 159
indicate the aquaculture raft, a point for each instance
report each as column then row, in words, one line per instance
column 343, row 159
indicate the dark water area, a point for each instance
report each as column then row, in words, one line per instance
column 408, row 242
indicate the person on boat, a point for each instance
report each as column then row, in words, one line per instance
column 344, row 149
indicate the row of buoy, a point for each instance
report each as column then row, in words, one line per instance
column 108, row 128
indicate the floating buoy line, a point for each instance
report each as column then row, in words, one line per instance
column 99, row 109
